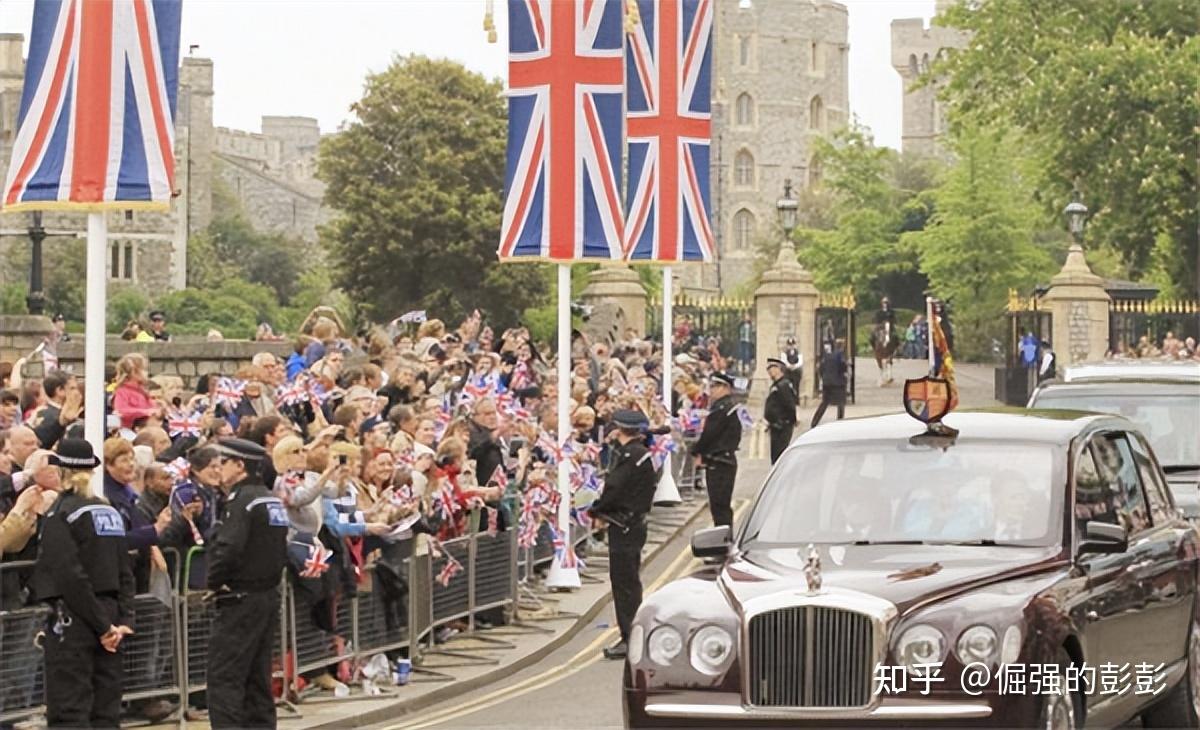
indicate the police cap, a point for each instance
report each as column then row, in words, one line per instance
column 721, row 379
column 776, row 362
column 630, row 420
column 241, row 449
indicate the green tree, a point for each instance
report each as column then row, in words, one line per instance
column 979, row 241
column 1106, row 94
column 415, row 182
column 124, row 304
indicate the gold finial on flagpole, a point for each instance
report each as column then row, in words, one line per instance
column 489, row 20
column 632, row 18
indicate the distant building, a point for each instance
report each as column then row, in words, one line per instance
column 914, row 47
column 270, row 175
column 780, row 80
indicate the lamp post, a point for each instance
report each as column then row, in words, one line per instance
column 787, row 207
column 1076, row 213
column 36, row 301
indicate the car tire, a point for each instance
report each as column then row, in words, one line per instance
column 1061, row 711
column 1181, row 706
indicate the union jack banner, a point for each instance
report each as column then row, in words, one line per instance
column 447, row 504
column 566, row 113
column 228, row 391
column 662, row 446
column 448, row 571
column 412, row 317
column 564, row 550
column 97, row 112
column 318, row 560
column 499, row 477
column 185, row 425
column 668, row 88
column 178, row 469
column 745, row 418
column 292, row 394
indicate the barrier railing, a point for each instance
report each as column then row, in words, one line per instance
column 167, row 655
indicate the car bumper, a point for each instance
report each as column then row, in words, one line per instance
column 720, row 709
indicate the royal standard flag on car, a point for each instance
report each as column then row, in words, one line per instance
column 97, row 112
column 668, row 70
column 565, row 117
column 943, row 361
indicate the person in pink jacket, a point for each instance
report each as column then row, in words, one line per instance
column 130, row 400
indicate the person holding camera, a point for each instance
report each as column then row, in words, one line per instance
column 628, row 493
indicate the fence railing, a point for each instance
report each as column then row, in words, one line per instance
column 167, row 656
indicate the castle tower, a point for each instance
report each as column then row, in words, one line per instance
column 914, row 47
column 781, row 80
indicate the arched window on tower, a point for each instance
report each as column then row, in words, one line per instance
column 925, row 63
column 745, row 110
column 814, row 171
column 743, row 170
column 816, row 114
column 814, row 57
column 913, row 67
column 743, row 230
column 744, row 50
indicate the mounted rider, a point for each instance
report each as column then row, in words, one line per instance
column 886, row 316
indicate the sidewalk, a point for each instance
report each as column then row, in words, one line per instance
column 546, row 621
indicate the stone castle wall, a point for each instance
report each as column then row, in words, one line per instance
column 915, row 46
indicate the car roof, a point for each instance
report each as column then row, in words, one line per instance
column 1131, row 369
column 997, row 424
column 1119, row 386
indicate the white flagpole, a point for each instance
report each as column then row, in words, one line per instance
column 667, row 492
column 929, row 329
column 94, row 335
column 560, row 577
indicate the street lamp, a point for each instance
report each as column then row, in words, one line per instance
column 1076, row 213
column 787, row 207
column 36, row 301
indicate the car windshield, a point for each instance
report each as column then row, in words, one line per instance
column 1171, row 422
column 888, row 492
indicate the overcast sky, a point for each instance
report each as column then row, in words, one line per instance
column 309, row 57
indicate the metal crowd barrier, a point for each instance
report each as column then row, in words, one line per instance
column 167, row 655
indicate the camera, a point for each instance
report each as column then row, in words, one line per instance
column 515, row 446
column 342, row 459
column 444, row 461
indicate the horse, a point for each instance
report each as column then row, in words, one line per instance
column 884, row 344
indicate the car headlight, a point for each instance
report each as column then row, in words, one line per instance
column 920, row 644
column 637, row 643
column 711, row 648
column 664, row 645
column 1010, row 648
column 977, row 644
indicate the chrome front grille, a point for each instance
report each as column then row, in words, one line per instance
column 810, row 656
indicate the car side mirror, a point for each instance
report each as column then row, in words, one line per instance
column 713, row 542
column 1103, row 537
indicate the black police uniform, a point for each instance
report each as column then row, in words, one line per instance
column 780, row 415
column 717, row 447
column 628, row 493
column 248, row 557
column 83, row 572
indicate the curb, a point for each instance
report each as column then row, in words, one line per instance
column 405, row 708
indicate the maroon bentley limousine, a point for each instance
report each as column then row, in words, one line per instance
column 1024, row 569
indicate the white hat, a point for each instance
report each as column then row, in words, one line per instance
column 420, row 449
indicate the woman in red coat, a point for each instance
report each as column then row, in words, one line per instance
column 130, row 400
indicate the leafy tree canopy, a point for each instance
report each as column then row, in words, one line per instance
column 416, row 184
column 1106, row 94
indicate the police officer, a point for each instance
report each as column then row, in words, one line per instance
column 83, row 572
column 244, row 571
column 717, row 448
column 780, row 410
column 628, row 491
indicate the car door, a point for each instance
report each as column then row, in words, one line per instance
column 1163, row 562
column 1113, row 598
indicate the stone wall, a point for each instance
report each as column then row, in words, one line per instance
column 188, row 360
column 914, row 47
column 795, row 52
column 20, row 334
column 271, row 204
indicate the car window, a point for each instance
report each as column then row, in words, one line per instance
column 1157, row 492
column 1116, row 467
column 1093, row 500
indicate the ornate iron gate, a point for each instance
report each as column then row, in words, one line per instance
column 836, row 319
column 1016, row 380
column 1131, row 320
column 710, row 317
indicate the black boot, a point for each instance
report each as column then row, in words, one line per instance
column 616, row 651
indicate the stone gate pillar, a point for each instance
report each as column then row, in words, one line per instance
column 621, row 286
column 785, row 305
column 1079, row 306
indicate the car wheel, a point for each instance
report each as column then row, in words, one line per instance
column 1181, row 706
column 1062, row 711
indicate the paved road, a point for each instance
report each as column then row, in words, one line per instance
column 576, row 688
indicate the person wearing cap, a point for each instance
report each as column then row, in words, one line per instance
column 717, row 448
column 60, row 328
column 244, row 570
column 780, row 409
column 833, row 382
column 793, row 364
column 83, row 573
column 628, row 493
column 158, row 326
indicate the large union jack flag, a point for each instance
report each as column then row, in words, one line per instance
column 98, row 106
column 565, row 112
column 668, row 71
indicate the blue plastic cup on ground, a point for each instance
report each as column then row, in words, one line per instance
column 403, row 671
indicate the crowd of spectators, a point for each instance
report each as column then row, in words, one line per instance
column 407, row 428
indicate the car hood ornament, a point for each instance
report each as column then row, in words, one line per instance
column 812, row 569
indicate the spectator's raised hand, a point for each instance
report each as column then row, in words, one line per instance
column 163, row 521
column 72, row 407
